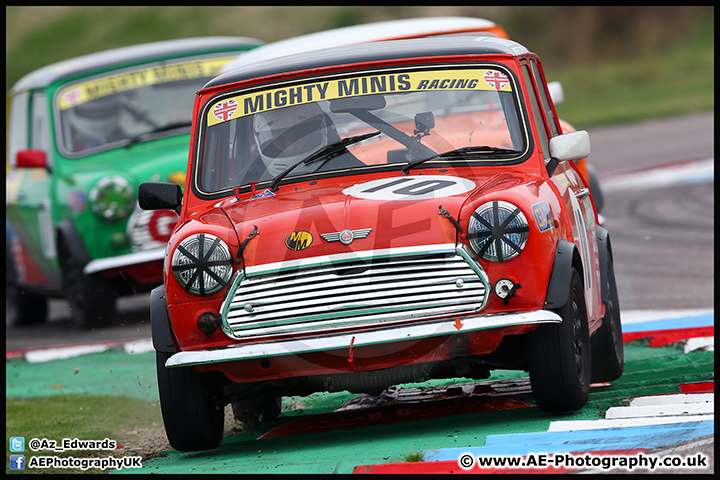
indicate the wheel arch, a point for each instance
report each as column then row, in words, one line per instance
column 162, row 336
column 566, row 259
column 67, row 233
column 605, row 253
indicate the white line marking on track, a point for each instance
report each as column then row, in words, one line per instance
column 139, row 346
column 664, row 410
column 638, row 316
column 699, row 343
column 680, row 398
column 45, row 355
column 663, row 176
column 649, row 410
column 568, row 425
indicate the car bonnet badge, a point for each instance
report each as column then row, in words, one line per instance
column 346, row 236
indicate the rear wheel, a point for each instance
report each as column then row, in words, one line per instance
column 91, row 297
column 559, row 356
column 194, row 420
column 21, row 307
column 608, row 354
column 595, row 190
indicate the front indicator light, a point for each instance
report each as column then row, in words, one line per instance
column 498, row 231
column 202, row 264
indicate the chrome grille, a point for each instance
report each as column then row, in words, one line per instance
column 357, row 289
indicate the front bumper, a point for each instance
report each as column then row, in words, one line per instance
column 360, row 339
column 127, row 260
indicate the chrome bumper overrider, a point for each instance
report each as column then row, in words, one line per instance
column 361, row 339
column 137, row 258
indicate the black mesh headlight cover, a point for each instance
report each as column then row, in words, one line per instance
column 498, row 231
column 202, row 264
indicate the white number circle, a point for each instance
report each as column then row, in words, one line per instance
column 419, row 187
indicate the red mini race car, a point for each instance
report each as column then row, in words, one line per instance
column 377, row 214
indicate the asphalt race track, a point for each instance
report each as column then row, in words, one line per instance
column 658, row 183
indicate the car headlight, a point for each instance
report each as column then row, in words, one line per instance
column 498, row 231
column 202, row 264
column 112, row 198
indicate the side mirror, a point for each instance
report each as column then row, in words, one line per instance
column 31, row 159
column 556, row 92
column 568, row 147
column 160, row 196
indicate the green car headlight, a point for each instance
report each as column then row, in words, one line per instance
column 498, row 231
column 202, row 264
column 112, row 198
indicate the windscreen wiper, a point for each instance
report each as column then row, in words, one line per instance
column 168, row 126
column 464, row 152
column 321, row 154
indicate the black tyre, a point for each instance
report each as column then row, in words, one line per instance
column 21, row 307
column 608, row 353
column 91, row 297
column 193, row 418
column 559, row 356
column 595, row 190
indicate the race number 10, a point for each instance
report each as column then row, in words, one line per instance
column 411, row 188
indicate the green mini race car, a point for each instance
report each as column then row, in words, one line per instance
column 82, row 134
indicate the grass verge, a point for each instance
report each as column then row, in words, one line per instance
column 82, row 417
column 675, row 82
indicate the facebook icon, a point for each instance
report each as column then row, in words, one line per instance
column 17, row 462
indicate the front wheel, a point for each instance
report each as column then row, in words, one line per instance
column 559, row 356
column 91, row 297
column 193, row 418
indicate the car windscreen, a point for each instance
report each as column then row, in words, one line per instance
column 359, row 123
column 119, row 108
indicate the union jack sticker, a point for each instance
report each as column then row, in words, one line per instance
column 72, row 97
column 495, row 79
column 224, row 110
